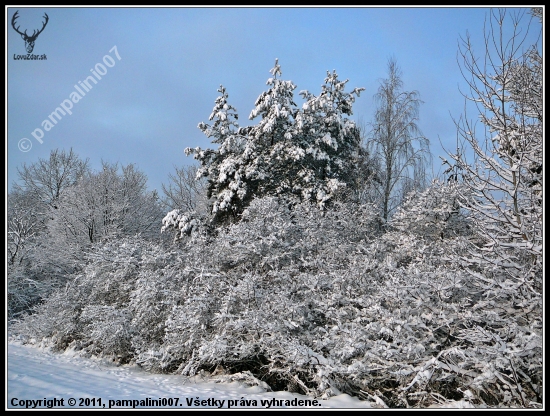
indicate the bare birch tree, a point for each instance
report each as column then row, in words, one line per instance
column 397, row 142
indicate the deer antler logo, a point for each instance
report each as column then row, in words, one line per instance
column 29, row 40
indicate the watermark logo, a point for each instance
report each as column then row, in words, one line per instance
column 29, row 40
column 65, row 107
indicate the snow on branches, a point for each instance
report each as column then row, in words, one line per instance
column 292, row 282
column 312, row 301
column 304, row 154
column 505, row 176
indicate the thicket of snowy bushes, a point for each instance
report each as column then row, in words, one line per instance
column 59, row 210
column 313, row 302
column 304, row 283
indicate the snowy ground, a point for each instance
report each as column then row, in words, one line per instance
column 35, row 375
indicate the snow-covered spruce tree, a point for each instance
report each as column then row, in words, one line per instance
column 306, row 154
column 227, row 186
column 329, row 140
column 271, row 149
column 300, row 154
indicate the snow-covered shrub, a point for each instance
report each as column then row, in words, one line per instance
column 435, row 212
column 313, row 301
column 55, row 321
column 261, row 289
column 93, row 307
column 25, row 290
column 185, row 224
column 109, row 329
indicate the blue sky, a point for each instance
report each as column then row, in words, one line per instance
column 146, row 107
